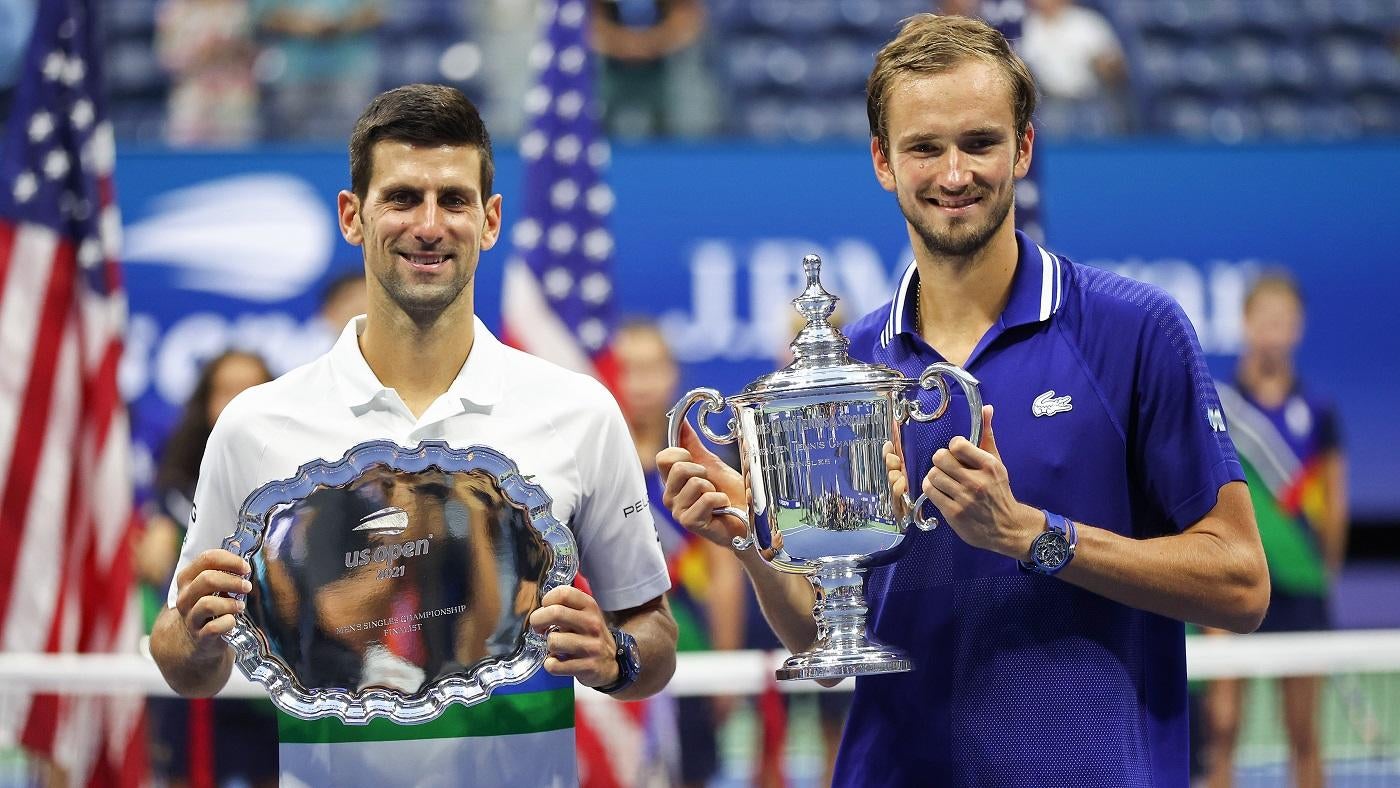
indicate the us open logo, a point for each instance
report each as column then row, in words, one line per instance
column 389, row 521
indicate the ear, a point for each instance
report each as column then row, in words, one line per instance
column 883, row 173
column 1023, row 152
column 348, row 212
column 492, row 229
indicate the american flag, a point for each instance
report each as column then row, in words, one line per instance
column 66, row 503
column 558, row 304
column 558, row 293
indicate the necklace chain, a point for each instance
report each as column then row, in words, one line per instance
column 919, row 306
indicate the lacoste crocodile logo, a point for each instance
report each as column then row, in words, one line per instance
column 1048, row 404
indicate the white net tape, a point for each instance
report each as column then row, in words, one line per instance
column 750, row 672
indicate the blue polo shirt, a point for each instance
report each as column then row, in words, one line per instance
column 1105, row 413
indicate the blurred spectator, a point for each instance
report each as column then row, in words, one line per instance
column 16, row 21
column 243, row 732
column 707, row 585
column 344, row 299
column 1289, row 443
column 970, row 8
column 321, row 66
column 505, row 30
column 207, row 46
column 1079, row 66
column 652, row 79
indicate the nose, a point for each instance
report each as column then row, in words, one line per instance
column 955, row 174
column 427, row 223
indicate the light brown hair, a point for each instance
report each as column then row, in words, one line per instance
column 934, row 43
column 1275, row 280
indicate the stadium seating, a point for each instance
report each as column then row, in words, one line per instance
column 1233, row 70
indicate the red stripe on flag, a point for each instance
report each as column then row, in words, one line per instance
column 35, row 407
column 135, row 763
column 772, row 713
column 7, row 247
column 40, row 728
column 103, row 398
column 595, row 766
column 92, row 583
column 201, row 741
column 607, row 368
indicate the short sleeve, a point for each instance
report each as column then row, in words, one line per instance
column 618, row 547
column 1182, row 450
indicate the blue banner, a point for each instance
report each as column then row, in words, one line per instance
column 233, row 249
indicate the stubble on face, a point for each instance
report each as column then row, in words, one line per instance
column 961, row 239
column 422, row 302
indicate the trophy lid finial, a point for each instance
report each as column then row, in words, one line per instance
column 818, row 344
column 820, row 352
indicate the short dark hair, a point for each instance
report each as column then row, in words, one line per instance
column 932, row 44
column 420, row 115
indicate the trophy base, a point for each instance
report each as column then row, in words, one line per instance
column 865, row 660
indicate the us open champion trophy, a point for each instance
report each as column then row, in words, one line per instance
column 821, row 501
column 395, row 582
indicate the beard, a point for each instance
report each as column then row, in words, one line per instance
column 962, row 239
column 423, row 303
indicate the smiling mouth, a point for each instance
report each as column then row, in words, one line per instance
column 424, row 261
column 954, row 203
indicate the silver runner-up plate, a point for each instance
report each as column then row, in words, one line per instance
column 395, row 582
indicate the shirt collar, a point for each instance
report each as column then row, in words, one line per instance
column 1037, row 291
column 477, row 383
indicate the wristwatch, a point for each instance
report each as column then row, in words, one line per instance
column 629, row 662
column 1053, row 549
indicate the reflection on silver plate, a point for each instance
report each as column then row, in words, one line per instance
column 395, row 582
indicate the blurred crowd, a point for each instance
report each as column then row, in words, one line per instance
column 235, row 72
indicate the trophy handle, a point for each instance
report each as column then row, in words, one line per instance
column 916, row 513
column 710, row 402
column 740, row 542
column 933, row 378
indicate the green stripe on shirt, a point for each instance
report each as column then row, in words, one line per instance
column 502, row 715
column 1295, row 566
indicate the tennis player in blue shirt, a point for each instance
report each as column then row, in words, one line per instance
column 1062, row 665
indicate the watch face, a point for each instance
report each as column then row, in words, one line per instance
column 634, row 656
column 629, row 657
column 1050, row 550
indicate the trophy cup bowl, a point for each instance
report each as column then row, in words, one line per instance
column 395, row 581
column 821, row 499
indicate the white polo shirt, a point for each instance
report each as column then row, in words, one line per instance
column 562, row 428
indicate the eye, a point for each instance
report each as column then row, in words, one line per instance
column 399, row 198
